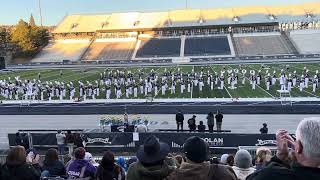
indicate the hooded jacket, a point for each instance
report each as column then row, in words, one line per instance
column 20, row 172
column 202, row 171
column 278, row 170
column 75, row 167
column 242, row 173
column 139, row 172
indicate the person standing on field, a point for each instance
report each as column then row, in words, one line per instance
column 179, row 120
column 210, row 122
column 219, row 118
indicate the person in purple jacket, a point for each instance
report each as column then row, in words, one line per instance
column 80, row 168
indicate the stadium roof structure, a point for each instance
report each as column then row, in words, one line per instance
column 189, row 18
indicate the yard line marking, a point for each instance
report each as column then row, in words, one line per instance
column 260, row 86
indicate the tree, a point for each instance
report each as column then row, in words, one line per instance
column 3, row 36
column 29, row 39
column 31, row 21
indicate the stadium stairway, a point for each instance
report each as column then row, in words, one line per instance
column 236, row 51
column 290, row 45
column 86, row 50
column 183, row 40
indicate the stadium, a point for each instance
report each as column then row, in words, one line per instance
column 103, row 76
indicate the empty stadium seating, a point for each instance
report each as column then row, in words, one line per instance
column 59, row 50
column 110, row 50
column 207, row 46
column 159, row 48
column 306, row 41
column 261, row 44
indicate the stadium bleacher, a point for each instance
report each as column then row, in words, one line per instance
column 159, row 47
column 306, row 41
column 59, row 50
column 207, row 46
column 261, row 44
column 112, row 49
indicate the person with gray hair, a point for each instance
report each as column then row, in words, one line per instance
column 243, row 162
column 299, row 163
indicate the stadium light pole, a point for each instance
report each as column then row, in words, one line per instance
column 40, row 12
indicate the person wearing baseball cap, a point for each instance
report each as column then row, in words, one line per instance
column 151, row 161
column 197, row 166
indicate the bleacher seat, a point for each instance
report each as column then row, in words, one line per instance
column 306, row 41
column 110, row 50
column 263, row 44
column 168, row 47
column 207, row 46
column 59, row 50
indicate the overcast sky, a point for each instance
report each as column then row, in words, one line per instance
column 54, row 10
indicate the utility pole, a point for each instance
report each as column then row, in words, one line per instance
column 186, row 4
column 40, row 12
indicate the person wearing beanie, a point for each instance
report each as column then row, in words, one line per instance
column 197, row 166
column 152, row 164
column 242, row 162
column 80, row 168
column 223, row 159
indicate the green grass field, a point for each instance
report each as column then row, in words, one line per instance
column 243, row 91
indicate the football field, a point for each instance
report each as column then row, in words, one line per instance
column 92, row 75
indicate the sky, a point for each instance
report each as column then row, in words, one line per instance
column 53, row 11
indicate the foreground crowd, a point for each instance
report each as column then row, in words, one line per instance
column 296, row 159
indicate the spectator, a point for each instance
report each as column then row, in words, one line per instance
column 25, row 141
column 230, row 160
column 264, row 129
column 60, row 141
column 52, row 167
column 305, row 160
column 108, row 170
column 263, row 156
column 242, row 162
column 122, row 162
column 197, row 167
column 80, row 168
column 210, row 122
column 78, row 140
column 179, row 160
column 88, row 157
column 132, row 160
column 18, row 140
column 179, row 120
column 219, row 118
column 142, row 128
column 151, row 164
column 19, row 167
column 192, row 123
column 70, row 141
column 201, row 127
column 223, row 159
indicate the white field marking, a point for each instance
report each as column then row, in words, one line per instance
column 260, row 86
column 223, row 86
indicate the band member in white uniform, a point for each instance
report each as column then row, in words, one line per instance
column 221, row 81
column 314, row 86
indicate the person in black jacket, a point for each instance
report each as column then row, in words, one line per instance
column 303, row 164
column 179, row 120
column 192, row 123
column 201, row 127
column 108, row 169
column 219, row 118
column 52, row 167
column 20, row 167
column 264, row 129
